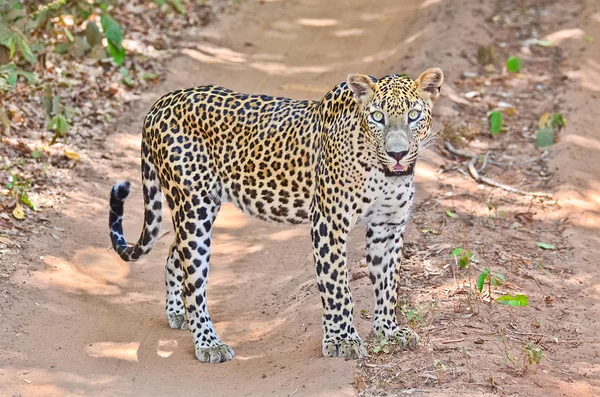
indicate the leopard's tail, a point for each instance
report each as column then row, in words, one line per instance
column 152, row 213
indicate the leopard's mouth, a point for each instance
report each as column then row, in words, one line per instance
column 398, row 170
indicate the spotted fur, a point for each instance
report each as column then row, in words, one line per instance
column 334, row 163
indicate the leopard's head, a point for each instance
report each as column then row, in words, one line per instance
column 395, row 116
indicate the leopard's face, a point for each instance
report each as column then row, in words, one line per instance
column 395, row 114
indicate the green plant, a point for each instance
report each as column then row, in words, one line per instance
column 513, row 64
column 547, row 126
column 510, row 300
column 493, row 280
column 440, row 368
column 9, row 74
column 462, row 257
column 533, row 353
column 382, row 346
column 18, row 188
column 411, row 316
column 59, row 115
column 495, row 122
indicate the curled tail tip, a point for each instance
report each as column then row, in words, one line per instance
column 120, row 191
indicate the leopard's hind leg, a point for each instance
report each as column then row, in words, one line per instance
column 194, row 215
column 175, row 308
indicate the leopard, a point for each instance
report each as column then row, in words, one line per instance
column 335, row 163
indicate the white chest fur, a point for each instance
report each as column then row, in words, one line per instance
column 386, row 199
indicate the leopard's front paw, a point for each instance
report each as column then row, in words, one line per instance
column 404, row 338
column 177, row 320
column 346, row 348
column 218, row 353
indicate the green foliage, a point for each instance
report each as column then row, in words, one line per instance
column 534, row 353
column 9, row 74
column 513, row 64
column 546, row 246
column 58, row 114
column 462, row 257
column 451, row 214
column 495, row 122
column 114, row 37
column 492, row 278
column 547, row 126
column 177, row 5
column 517, row 300
column 27, row 31
column 382, row 346
column 127, row 80
column 18, row 188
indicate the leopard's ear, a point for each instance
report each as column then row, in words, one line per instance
column 429, row 82
column 361, row 87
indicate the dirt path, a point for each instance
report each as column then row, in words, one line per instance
column 80, row 322
column 88, row 324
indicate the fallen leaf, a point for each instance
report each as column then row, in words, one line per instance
column 359, row 383
column 72, row 155
column 546, row 246
column 18, row 212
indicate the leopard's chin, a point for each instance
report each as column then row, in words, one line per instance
column 398, row 170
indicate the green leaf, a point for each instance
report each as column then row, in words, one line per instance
column 25, row 199
column 377, row 349
column 544, row 137
column 499, row 276
column 92, row 34
column 495, row 122
column 463, row 261
column 47, row 100
column 456, row 251
column 36, row 154
column 69, row 34
column 9, row 67
column 177, row 6
column 79, row 47
column 112, row 30
column 62, row 48
column 11, row 79
column 56, row 105
column 451, row 214
column 150, row 76
column 558, row 120
column 62, row 125
column 118, row 55
column 513, row 64
column 517, row 300
column 7, row 38
column 160, row 2
column 590, row 39
column 126, row 77
column 481, row 279
column 544, row 43
column 546, row 246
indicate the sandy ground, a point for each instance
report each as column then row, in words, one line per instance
column 80, row 322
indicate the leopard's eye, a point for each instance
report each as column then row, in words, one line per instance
column 413, row 115
column 378, row 117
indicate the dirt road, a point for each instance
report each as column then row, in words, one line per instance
column 84, row 323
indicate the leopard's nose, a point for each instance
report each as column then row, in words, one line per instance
column 398, row 155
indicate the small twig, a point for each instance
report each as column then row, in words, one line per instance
column 485, row 161
column 488, row 181
column 461, row 153
column 537, row 282
column 452, row 341
column 458, row 152
column 295, row 391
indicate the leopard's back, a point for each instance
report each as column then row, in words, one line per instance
column 257, row 151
